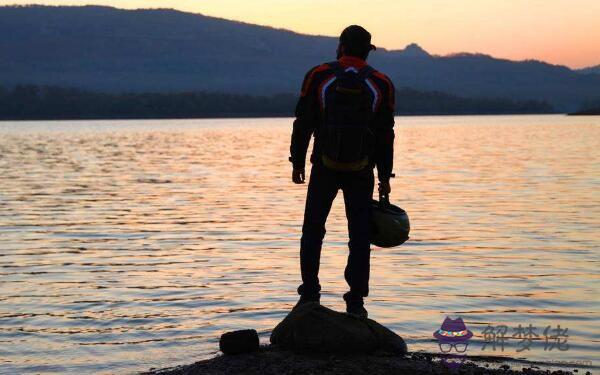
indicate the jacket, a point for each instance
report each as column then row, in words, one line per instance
column 309, row 116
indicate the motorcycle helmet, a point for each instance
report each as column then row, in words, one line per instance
column 389, row 224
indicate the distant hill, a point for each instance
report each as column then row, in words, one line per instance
column 590, row 70
column 114, row 50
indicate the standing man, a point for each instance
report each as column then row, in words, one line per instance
column 349, row 108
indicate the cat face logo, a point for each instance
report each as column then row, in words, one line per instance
column 453, row 335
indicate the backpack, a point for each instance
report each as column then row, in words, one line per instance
column 347, row 140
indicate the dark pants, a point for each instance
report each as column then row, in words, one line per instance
column 322, row 190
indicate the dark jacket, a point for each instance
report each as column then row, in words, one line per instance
column 309, row 117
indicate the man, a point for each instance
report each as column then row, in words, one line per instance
column 349, row 108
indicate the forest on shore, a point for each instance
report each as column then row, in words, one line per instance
column 30, row 102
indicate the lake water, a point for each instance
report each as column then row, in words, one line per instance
column 127, row 245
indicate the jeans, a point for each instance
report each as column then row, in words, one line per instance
column 357, row 188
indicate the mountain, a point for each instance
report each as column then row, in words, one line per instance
column 113, row 50
column 589, row 70
column 413, row 50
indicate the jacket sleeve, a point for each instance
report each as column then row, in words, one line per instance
column 384, row 134
column 305, row 123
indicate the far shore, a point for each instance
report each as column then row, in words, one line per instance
column 586, row 112
column 259, row 116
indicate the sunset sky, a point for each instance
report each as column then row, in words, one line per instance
column 558, row 31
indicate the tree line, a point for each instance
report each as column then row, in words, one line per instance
column 31, row 102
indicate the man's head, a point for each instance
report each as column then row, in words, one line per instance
column 355, row 41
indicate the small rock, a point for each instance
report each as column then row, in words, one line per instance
column 238, row 342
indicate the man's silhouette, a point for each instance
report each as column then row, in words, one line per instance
column 349, row 108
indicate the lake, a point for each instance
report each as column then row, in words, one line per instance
column 126, row 245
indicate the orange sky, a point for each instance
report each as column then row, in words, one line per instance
column 558, row 31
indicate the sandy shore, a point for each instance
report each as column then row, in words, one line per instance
column 271, row 361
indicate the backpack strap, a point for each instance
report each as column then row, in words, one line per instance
column 365, row 72
column 337, row 68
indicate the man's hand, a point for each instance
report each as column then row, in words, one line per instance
column 298, row 176
column 385, row 188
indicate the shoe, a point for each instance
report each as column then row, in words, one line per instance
column 357, row 310
column 304, row 300
column 355, row 305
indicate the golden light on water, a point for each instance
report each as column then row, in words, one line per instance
column 136, row 243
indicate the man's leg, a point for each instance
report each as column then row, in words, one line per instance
column 358, row 192
column 322, row 190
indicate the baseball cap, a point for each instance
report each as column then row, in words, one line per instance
column 356, row 36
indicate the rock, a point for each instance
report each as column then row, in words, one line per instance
column 238, row 342
column 315, row 328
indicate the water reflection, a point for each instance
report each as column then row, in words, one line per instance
column 127, row 245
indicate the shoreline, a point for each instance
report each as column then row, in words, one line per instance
column 267, row 116
column 270, row 360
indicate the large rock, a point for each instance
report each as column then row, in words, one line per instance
column 315, row 328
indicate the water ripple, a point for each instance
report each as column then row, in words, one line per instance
column 126, row 245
